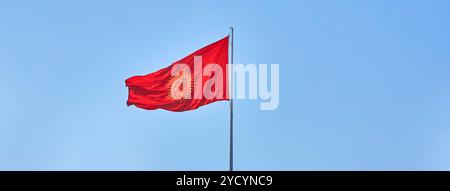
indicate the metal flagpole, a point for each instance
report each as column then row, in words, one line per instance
column 231, row 99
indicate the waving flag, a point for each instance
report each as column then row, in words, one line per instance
column 196, row 80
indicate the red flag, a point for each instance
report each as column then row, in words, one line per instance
column 198, row 79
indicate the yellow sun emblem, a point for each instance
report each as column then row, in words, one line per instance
column 180, row 86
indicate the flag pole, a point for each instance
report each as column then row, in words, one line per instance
column 231, row 98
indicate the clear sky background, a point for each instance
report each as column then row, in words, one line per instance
column 364, row 85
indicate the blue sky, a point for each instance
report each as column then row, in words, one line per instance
column 364, row 85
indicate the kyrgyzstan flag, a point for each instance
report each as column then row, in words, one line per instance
column 198, row 79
